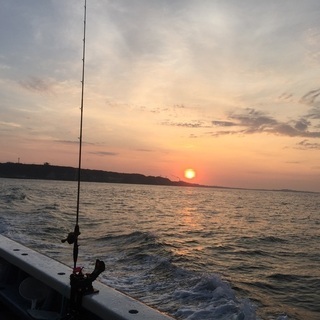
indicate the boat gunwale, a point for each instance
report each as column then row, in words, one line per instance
column 107, row 304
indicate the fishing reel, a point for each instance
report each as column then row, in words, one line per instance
column 81, row 284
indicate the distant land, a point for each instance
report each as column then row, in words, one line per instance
column 47, row 171
column 52, row 172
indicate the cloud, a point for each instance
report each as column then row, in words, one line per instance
column 37, row 84
column 223, row 123
column 314, row 113
column 104, row 153
column 10, row 124
column 222, row 133
column 74, row 142
column 193, row 124
column 67, row 141
column 305, row 144
column 302, row 124
column 285, row 129
column 310, row 97
column 252, row 121
column 286, row 97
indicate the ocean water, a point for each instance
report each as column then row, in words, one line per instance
column 194, row 253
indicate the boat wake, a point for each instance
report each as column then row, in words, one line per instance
column 148, row 270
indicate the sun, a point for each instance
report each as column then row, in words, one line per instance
column 189, row 173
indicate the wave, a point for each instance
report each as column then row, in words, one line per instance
column 284, row 277
column 262, row 240
column 147, row 269
column 297, row 288
column 211, row 298
column 13, row 196
column 272, row 239
column 132, row 239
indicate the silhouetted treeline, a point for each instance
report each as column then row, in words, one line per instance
column 51, row 172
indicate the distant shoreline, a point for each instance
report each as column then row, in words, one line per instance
column 64, row 173
column 47, row 171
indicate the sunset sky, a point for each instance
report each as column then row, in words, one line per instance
column 228, row 88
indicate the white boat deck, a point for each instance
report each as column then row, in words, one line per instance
column 107, row 304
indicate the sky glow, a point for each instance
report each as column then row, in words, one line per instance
column 228, row 88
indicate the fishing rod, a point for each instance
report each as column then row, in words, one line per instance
column 80, row 284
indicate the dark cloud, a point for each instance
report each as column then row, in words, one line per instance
column 285, row 129
column 302, row 125
column 314, row 113
column 253, row 121
column 305, row 144
column 223, row 123
column 310, row 97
